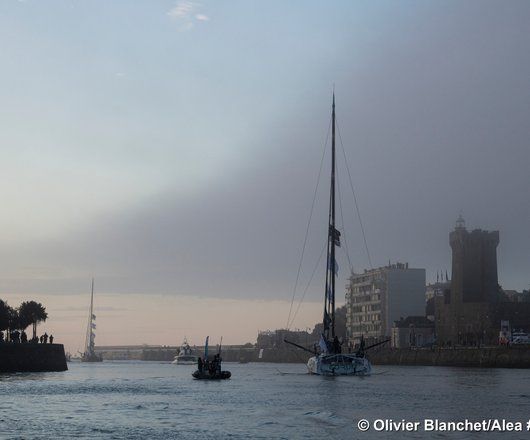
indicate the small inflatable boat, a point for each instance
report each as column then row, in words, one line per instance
column 215, row 376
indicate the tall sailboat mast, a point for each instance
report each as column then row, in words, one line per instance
column 333, row 233
column 333, row 238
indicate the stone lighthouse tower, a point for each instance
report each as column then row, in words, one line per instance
column 467, row 314
column 474, row 266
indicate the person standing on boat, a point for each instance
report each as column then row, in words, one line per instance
column 218, row 364
column 199, row 364
column 336, row 345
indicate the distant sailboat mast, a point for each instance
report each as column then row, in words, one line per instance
column 90, row 333
column 90, row 353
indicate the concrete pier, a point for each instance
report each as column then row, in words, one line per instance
column 484, row 357
column 16, row 358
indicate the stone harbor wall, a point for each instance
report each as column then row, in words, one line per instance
column 486, row 357
column 31, row 357
column 284, row 355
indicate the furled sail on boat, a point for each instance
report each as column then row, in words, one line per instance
column 90, row 355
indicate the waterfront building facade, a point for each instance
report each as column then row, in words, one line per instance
column 413, row 331
column 433, row 290
column 378, row 297
column 275, row 338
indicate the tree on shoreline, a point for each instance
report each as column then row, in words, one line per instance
column 4, row 315
column 14, row 319
column 31, row 313
column 9, row 318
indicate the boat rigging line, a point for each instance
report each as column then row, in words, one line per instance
column 307, row 286
column 308, row 224
column 300, row 346
column 354, row 197
column 343, row 225
column 292, row 315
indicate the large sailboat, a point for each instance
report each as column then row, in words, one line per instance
column 90, row 354
column 330, row 361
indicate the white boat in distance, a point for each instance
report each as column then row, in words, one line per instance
column 185, row 355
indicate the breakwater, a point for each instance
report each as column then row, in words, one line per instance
column 32, row 357
column 275, row 355
column 484, row 357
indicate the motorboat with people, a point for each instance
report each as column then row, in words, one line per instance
column 210, row 369
column 185, row 355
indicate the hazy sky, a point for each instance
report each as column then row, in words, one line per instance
column 171, row 149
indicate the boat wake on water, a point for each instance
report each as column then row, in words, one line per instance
column 285, row 373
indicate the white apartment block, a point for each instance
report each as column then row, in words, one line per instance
column 378, row 297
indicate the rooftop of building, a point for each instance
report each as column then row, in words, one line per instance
column 438, row 284
column 460, row 225
column 515, row 296
column 390, row 266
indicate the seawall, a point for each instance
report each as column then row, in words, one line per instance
column 31, row 357
column 484, row 357
column 279, row 355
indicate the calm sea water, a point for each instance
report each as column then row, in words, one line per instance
column 141, row 400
